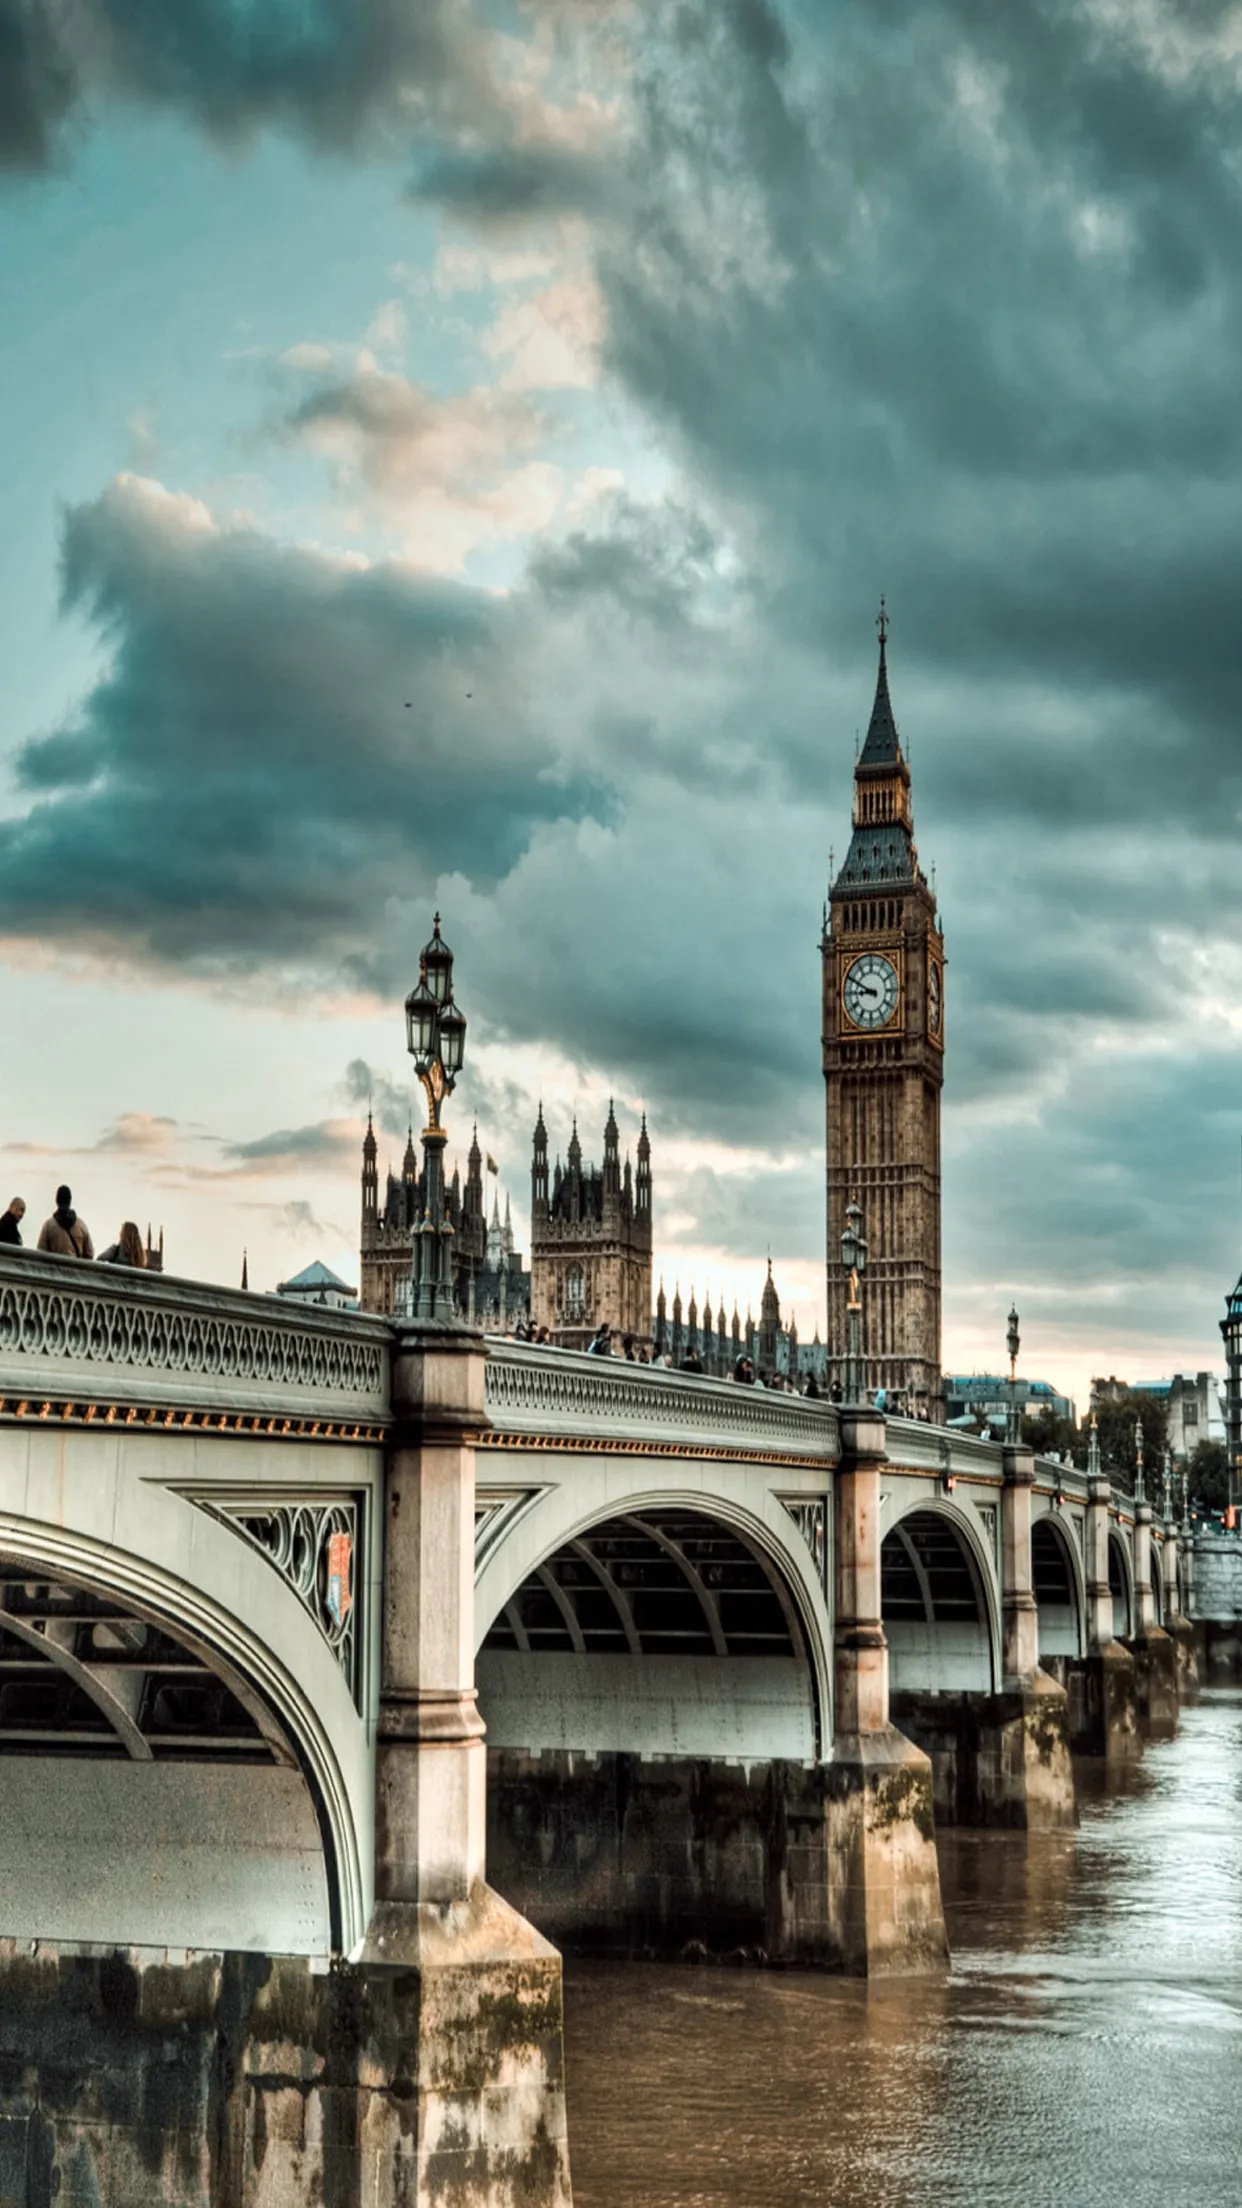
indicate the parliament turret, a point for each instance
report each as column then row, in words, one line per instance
column 591, row 1239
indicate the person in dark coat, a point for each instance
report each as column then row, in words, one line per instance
column 11, row 1221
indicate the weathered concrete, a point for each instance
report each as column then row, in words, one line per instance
column 615, row 1854
column 1156, row 1695
column 883, row 1882
column 1218, row 1651
column 1182, row 1634
column 771, row 1863
column 997, row 1759
column 428, row 2073
column 1103, row 1717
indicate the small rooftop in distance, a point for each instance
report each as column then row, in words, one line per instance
column 312, row 1278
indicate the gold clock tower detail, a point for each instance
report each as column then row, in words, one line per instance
column 883, row 1031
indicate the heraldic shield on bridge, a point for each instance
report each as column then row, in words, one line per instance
column 344, row 1665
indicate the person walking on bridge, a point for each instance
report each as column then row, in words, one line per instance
column 11, row 1221
column 64, row 1234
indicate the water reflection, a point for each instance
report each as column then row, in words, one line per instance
column 1083, row 2051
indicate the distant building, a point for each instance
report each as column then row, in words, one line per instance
column 1191, row 1399
column 590, row 1239
column 491, row 1283
column 719, row 1341
column 986, row 1396
column 317, row 1284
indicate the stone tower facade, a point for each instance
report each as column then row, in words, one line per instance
column 386, row 1245
column 590, row 1239
column 883, row 1038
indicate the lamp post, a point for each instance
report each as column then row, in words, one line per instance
column 1013, row 1343
column 1140, row 1478
column 1183, row 1478
column 1231, row 1331
column 436, row 1040
column 1167, row 1489
column 854, row 1261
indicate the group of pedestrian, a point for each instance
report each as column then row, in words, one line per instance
column 65, row 1233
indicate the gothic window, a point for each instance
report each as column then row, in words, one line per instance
column 575, row 1292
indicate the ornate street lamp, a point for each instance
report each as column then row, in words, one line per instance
column 1231, row 1331
column 1167, row 1489
column 436, row 1039
column 854, row 1262
column 1140, row 1479
column 1184, row 1485
column 1013, row 1430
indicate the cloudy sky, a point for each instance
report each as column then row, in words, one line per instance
column 452, row 452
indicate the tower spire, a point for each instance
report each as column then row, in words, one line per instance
column 882, row 746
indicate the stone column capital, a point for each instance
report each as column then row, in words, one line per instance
column 864, row 1433
column 1019, row 1464
column 439, row 1380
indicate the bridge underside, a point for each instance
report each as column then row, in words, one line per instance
column 653, row 1737
column 150, row 1797
column 657, row 1633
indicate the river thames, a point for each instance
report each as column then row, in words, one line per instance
column 1084, row 2052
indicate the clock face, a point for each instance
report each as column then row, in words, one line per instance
column 935, row 999
column 871, row 990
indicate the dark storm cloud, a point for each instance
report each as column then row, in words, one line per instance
column 293, row 1149
column 390, row 1105
column 925, row 295
column 282, row 743
column 38, row 84
column 342, row 73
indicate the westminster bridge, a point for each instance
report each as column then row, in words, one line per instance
column 308, row 1622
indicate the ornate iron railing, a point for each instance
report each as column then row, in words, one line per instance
column 87, row 1338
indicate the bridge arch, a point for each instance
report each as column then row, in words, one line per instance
column 674, row 1622
column 253, row 1835
column 1120, row 1585
column 938, row 1602
column 1057, row 1578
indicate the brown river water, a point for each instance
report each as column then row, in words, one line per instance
column 1085, row 2050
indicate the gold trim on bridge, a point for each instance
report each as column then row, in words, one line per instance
column 173, row 1418
column 621, row 1445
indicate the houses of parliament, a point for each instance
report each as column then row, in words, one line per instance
column 883, row 1042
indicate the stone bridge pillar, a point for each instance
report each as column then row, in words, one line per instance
column 1181, row 1631
column 1025, row 1738
column 470, row 1993
column 1108, row 1722
column 1154, row 1652
column 883, row 1879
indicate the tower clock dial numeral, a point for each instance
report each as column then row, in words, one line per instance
column 935, row 999
column 871, row 991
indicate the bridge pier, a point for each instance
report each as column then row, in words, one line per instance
column 1180, row 1629
column 1101, row 1684
column 883, row 1879
column 478, row 1989
column 1153, row 1650
column 1003, row 1758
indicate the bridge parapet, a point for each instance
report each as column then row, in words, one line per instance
column 570, row 1399
column 82, row 1343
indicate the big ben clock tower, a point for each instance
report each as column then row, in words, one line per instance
column 883, row 1031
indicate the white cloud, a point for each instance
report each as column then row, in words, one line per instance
column 550, row 340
